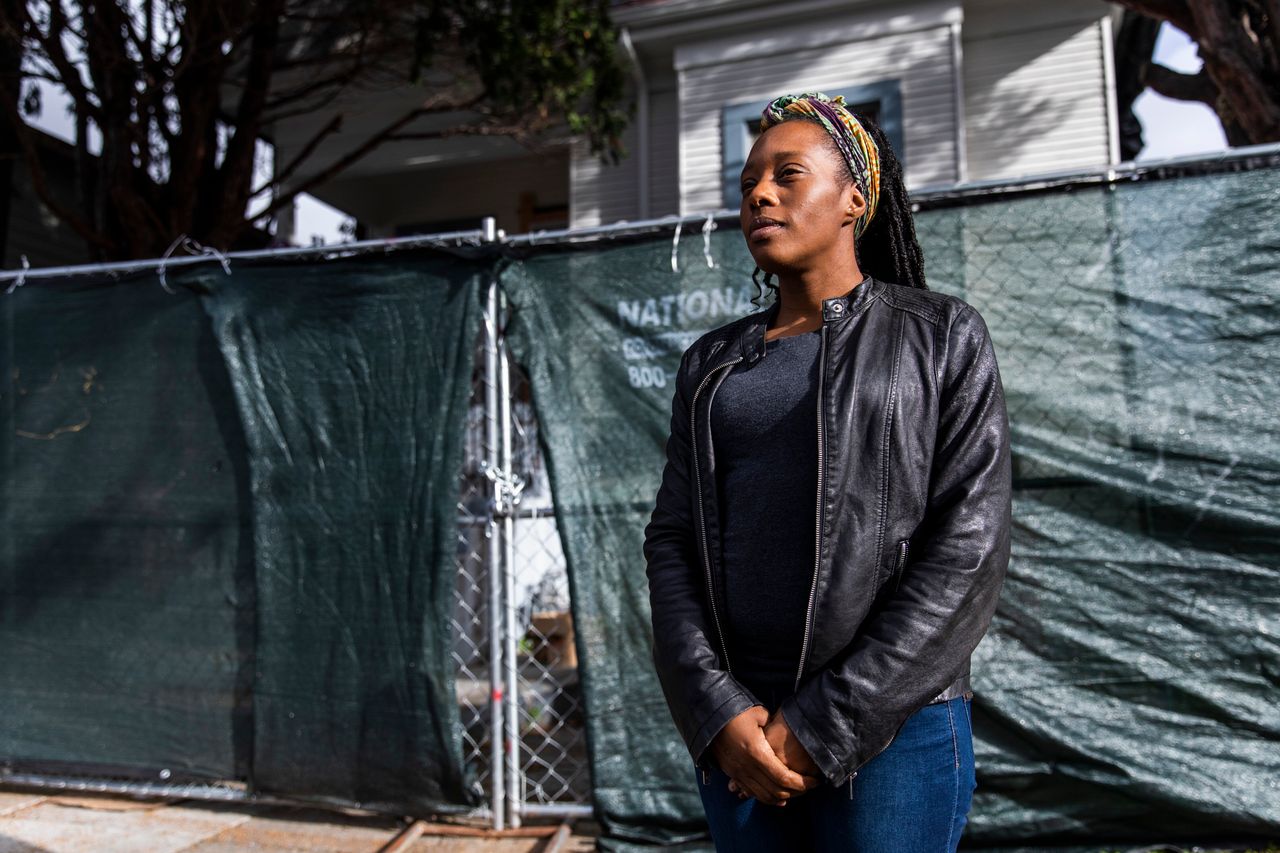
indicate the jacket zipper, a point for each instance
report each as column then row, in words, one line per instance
column 817, row 564
column 902, row 563
column 817, row 540
column 702, row 522
column 865, row 763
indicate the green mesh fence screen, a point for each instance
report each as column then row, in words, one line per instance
column 599, row 332
column 1127, row 687
column 126, row 585
column 230, row 527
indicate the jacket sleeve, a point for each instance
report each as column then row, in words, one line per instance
column 701, row 693
column 921, row 639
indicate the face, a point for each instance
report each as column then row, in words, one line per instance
column 791, row 179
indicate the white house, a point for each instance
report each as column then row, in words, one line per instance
column 968, row 90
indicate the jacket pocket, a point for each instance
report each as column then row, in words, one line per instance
column 901, row 562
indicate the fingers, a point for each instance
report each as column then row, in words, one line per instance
column 757, row 785
column 788, row 748
column 760, row 790
column 777, row 772
column 810, row 782
column 754, row 767
column 764, row 775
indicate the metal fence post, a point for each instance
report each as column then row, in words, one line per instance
column 515, row 793
column 492, row 536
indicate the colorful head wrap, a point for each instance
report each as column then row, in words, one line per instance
column 857, row 146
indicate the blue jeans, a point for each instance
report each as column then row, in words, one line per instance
column 914, row 797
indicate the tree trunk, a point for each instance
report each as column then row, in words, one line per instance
column 10, row 149
column 1135, row 41
column 1239, row 42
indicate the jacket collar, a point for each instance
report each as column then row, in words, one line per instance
column 835, row 309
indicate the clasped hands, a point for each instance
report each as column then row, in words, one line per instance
column 763, row 759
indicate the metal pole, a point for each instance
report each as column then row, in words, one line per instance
column 515, row 794
column 957, row 101
column 326, row 252
column 1109, row 89
column 642, row 125
column 493, row 552
column 200, row 791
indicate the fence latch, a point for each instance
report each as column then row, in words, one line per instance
column 507, row 487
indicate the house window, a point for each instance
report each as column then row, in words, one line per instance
column 881, row 101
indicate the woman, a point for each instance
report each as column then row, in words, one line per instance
column 832, row 528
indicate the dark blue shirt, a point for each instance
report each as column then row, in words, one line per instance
column 764, row 427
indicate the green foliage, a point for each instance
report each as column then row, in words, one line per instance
column 542, row 59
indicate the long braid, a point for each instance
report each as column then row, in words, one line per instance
column 888, row 249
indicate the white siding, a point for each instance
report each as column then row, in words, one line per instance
column 1036, row 101
column 1034, row 93
column 600, row 194
column 664, row 153
column 921, row 61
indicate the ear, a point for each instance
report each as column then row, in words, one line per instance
column 855, row 204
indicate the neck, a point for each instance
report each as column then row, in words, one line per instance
column 801, row 294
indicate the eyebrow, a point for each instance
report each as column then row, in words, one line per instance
column 780, row 155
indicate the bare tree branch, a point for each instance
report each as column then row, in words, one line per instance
column 57, row 55
column 1175, row 12
column 182, row 91
column 236, row 171
column 333, row 126
column 1182, row 87
column 387, row 133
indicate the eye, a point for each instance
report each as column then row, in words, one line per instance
column 789, row 169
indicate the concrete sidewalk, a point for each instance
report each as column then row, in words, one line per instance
column 37, row 823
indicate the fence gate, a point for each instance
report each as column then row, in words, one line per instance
column 524, row 738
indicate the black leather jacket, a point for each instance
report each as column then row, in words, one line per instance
column 912, row 516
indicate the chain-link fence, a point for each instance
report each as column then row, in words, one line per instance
column 1096, row 267
column 525, row 747
column 1072, row 246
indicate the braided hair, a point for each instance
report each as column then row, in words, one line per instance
column 888, row 249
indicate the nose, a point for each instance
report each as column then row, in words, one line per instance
column 758, row 194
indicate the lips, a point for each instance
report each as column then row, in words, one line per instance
column 762, row 226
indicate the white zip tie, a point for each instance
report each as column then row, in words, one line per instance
column 707, row 228
column 222, row 259
column 160, row 269
column 675, row 249
column 22, row 276
column 195, row 246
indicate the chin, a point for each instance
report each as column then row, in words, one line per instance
column 767, row 260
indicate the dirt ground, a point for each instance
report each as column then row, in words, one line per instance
column 37, row 823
